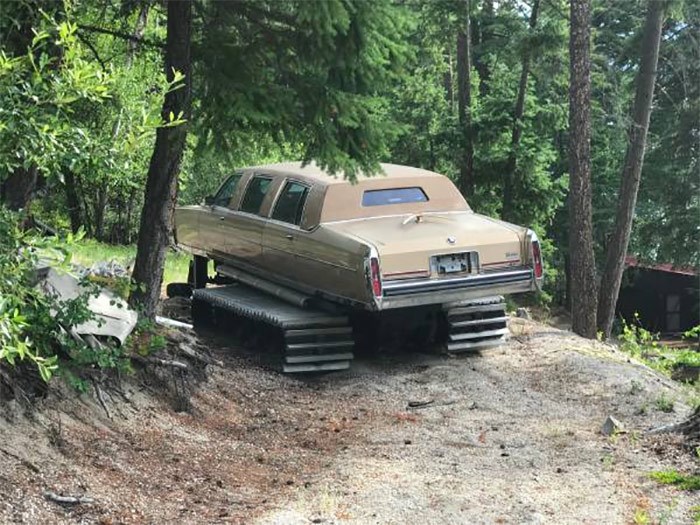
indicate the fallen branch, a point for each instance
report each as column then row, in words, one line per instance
column 67, row 500
column 416, row 405
column 100, row 398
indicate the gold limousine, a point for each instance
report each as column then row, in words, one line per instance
column 402, row 238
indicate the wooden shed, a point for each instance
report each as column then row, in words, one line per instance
column 666, row 297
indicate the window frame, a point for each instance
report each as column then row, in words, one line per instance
column 239, row 176
column 252, row 177
column 284, row 184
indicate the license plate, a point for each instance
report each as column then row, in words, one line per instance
column 466, row 262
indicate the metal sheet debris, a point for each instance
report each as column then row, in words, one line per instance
column 113, row 317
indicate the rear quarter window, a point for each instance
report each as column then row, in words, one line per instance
column 393, row 196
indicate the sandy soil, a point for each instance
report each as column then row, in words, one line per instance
column 508, row 436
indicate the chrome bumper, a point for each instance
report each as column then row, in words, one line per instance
column 419, row 292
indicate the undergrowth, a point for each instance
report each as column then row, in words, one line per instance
column 677, row 479
column 645, row 345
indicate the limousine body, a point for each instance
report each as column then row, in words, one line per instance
column 402, row 238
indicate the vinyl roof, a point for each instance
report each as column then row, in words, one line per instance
column 312, row 171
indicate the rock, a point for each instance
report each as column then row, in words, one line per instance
column 612, row 426
column 523, row 313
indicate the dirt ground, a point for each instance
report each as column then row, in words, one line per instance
column 508, row 436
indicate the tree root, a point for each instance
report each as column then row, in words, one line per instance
column 689, row 427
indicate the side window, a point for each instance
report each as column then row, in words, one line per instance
column 290, row 204
column 223, row 196
column 255, row 194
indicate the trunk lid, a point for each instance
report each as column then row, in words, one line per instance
column 406, row 243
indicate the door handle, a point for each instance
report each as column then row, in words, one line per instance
column 290, row 236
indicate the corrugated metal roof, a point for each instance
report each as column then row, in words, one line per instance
column 633, row 262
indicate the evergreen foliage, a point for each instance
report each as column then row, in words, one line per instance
column 349, row 84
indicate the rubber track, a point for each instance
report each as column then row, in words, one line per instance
column 314, row 340
column 477, row 324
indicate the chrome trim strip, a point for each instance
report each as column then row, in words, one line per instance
column 407, row 287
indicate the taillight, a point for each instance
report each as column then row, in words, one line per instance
column 537, row 259
column 375, row 277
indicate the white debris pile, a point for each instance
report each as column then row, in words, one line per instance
column 110, row 269
column 114, row 320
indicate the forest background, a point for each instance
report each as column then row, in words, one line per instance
column 477, row 90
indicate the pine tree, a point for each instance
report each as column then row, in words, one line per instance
column 582, row 263
column 632, row 171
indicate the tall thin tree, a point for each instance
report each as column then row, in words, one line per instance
column 466, row 172
column 582, row 260
column 161, row 185
column 632, row 170
column 510, row 173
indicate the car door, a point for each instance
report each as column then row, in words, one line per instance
column 215, row 218
column 283, row 234
column 245, row 226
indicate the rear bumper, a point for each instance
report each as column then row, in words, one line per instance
column 419, row 292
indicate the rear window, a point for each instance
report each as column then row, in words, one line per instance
column 393, row 196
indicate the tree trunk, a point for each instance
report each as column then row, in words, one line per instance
column 17, row 189
column 132, row 46
column 103, row 200
column 161, row 186
column 447, row 81
column 632, row 170
column 99, row 211
column 466, row 171
column 72, row 200
column 508, row 211
column 582, row 271
column 481, row 37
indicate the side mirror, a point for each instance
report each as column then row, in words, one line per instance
column 209, row 200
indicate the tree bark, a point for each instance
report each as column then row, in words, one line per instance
column 508, row 211
column 99, row 210
column 582, row 271
column 72, row 200
column 632, row 170
column 17, row 189
column 481, row 37
column 466, row 171
column 161, row 185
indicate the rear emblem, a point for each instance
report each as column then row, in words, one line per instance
column 451, row 240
